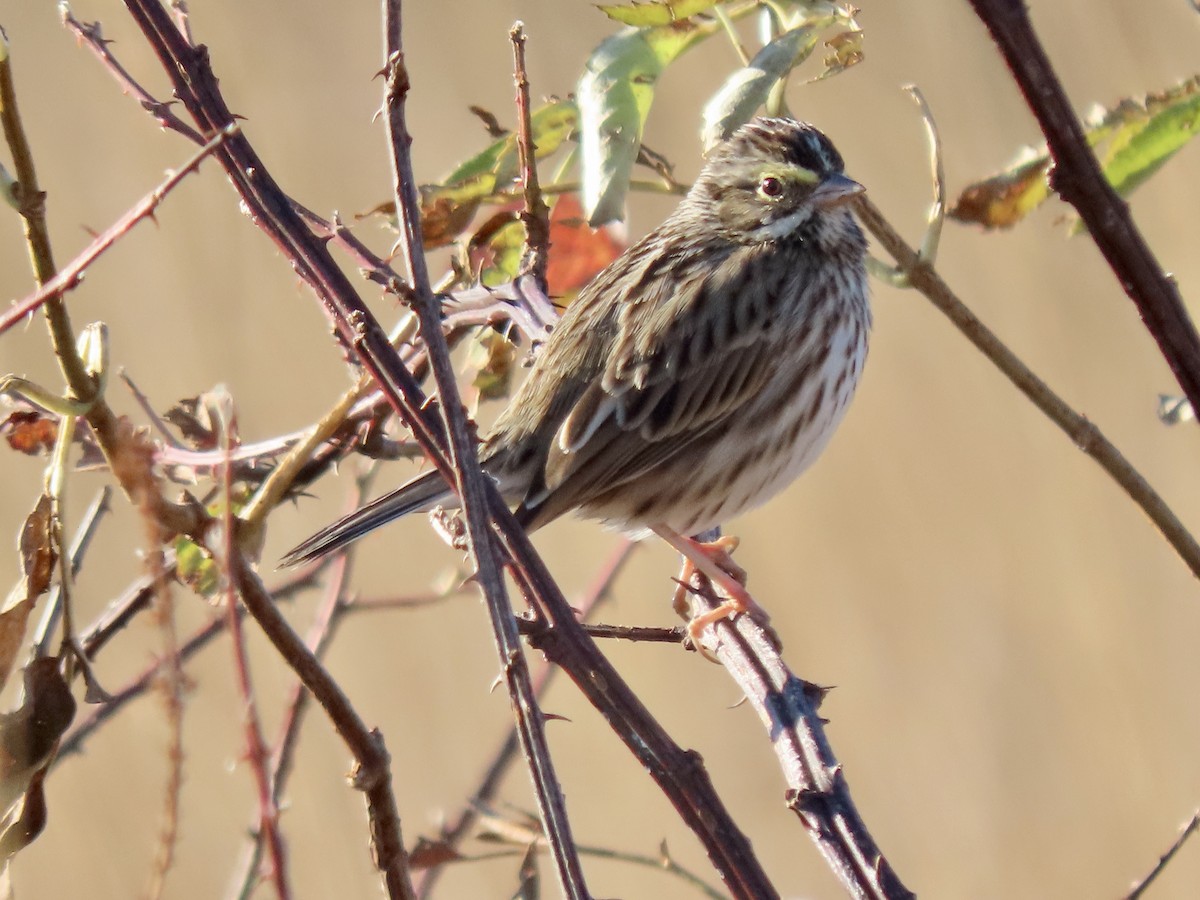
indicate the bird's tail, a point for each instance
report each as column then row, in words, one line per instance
column 422, row 493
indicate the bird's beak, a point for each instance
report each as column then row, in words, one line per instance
column 834, row 190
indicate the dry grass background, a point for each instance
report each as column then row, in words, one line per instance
column 1014, row 647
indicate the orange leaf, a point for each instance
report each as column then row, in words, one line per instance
column 30, row 432
column 577, row 253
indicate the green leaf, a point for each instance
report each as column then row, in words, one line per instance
column 746, row 89
column 656, row 12
column 507, row 246
column 615, row 94
column 550, row 125
column 447, row 208
column 1133, row 140
column 196, row 568
column 482, row 164
column 1151, row 134
column 494, row 358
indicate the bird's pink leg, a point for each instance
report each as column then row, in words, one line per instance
column 713, row 560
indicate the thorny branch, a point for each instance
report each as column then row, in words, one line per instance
column 680, row 774
column 119, row 444
column 1078, row 179
column 462, row 822
column 71, row 276
column 372, row 773
column 1080, row 430
column 536, row 215
column 817, row 791
column 279, row 765
column 255, row 747
column 472, row 487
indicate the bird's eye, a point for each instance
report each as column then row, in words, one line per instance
column 770, row 187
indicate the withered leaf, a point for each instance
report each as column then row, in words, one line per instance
column 443, row 218
column 28, row 737
column 1133, row 140
column 1004, row 199
column 37, row 550
column 429, row 853
column 38, row 557
column 845, row 50
column 190, row 417
column 30, row 431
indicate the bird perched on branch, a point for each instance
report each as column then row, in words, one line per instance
column 697, row 375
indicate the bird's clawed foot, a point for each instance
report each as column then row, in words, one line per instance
column 714, row 560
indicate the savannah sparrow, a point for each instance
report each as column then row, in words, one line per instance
column 697, row 375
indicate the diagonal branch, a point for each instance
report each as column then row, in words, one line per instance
column 69, row 277
column 256, row 748
column 1083, row 433
column 90, row 35
column 470, row 479
column 372, row 773
column 1078, row 179
column 464, row 820
column 1144, row 883
column 679, row 773
column 817, row 790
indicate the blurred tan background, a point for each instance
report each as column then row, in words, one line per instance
column 1014, row 647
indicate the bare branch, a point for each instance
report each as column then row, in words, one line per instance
column 70, row 277
column 372, row 774
column 817, row 789
column 536, row 215
column 299, row 700
column 460, row 825
column 1186, row 832
column 680, row 774
column 1083, row 433
column 256, row 750
column 1078, row 179
column 134, row 688
column 137, row 598
column 472, row 486
column 119, row 444
column 89, row 34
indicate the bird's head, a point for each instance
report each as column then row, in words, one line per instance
column 775, row 179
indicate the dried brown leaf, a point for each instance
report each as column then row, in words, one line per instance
column 190, row 417
column 37, row 551
column 29, row 735
column 1004, row 199
column 428, row 854
column 37, row 566
column 28, row 739
column 30, row 431
column 444, row 218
